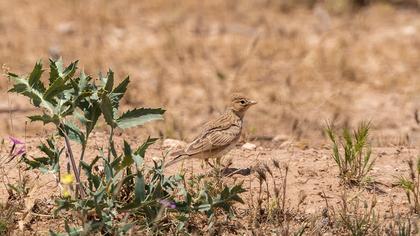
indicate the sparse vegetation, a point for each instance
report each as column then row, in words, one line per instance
column 411, row 185
column 357, row 217
column 268, row 206
column 400, row 227
column 124, row 191
column 352, row 153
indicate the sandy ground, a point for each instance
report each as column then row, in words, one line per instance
column 312, row 173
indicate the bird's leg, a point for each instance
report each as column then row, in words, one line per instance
column 208, row 162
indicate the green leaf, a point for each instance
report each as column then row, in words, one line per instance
column 94, row 181
column 69, row 71
column 139, row 116
column 128, row 157
column 58, row 86
column 81, row 118
column 83, row 80
column 142, row 149
column 139, row 189
column 73, row 132
column 56, row 70
column 120, row 90
column 139, row 193
column 109, row 81
column 48, row 164
column 46, row 119
column 92, row 114
column 35, row 77
column 107, row 111
column 21, row 86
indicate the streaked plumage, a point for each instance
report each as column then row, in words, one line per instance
column 219, row 136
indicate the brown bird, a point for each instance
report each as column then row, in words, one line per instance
column 218, row 136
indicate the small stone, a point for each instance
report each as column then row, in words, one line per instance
column 249, row 146
column 280, row 138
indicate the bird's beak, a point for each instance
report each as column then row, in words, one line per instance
column 252, row 102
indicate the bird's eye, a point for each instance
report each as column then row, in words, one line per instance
column 242, row 101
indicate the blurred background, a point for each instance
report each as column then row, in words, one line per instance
column 304, row 61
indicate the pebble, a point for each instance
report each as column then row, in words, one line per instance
column 249, row 146
column 280, row 138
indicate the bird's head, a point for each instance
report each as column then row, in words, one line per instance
column 240, row 103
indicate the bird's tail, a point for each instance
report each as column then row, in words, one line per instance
column 176, row 157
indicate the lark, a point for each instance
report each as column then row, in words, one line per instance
column 218, row 136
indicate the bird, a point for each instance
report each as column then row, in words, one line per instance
column 218, row 136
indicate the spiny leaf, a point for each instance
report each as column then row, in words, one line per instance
column 92, row 114
column 142, row 149
column 128, row 157
column 109, row 81
column 58, row 86
column 56, row 68
column 140, row 116
column 69, row 71
column 21, row 86
column 35, row 77
column 107, row 111
column 83, row 80
column 120, row 90
column 44, row 118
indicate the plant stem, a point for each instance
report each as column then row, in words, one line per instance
column 79, row 189
column 417, row 205
column 110, row 143
column 284, row 189
column 82, row 154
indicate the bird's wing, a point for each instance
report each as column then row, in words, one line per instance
column 214, row 139
column 222, row 122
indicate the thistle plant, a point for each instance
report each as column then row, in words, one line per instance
column 355, row 161
column 68, row 99
column 117, row 189
column 411, row 185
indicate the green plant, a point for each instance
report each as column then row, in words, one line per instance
column 202, row 195
column 68, row 99
column 355, row 162
column 7, row 218
column 269, row 204
column 411, row 185
column 399, row 227
column 357, row 219
column 73, row 104
column 17, row 189
column 118, row 190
